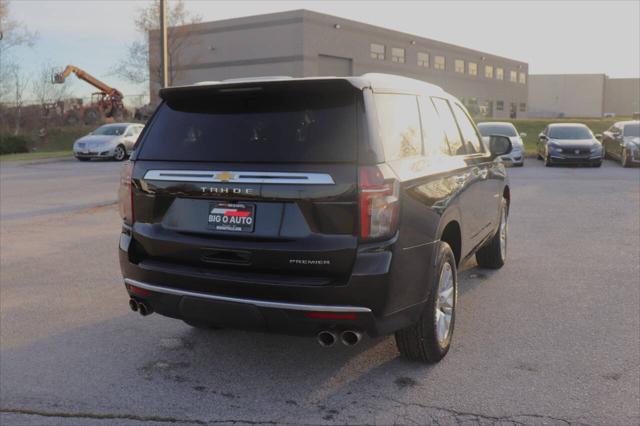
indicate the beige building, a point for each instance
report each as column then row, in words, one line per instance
column 301, row 43
column 582, row 95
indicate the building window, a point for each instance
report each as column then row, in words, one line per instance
column 523, row 107
column 500, row 105
column 439, row 63
column 488, row 71
column 423, row 59
column 473, row 68
column 377, row 51
column 523, row 78
column 513, row 76
column 459, row 66
column 397, row 55
column 499, row 74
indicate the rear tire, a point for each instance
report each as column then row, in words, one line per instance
column 120, row 153
column 494, row 254
column 82, row 159
column 547, row 161
column 624, row 159
column 429, row 339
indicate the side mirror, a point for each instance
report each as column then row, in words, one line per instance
column 542, row 137
column 523, row 135
column 499, row 145
column 599, row 136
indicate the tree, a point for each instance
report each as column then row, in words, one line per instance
column 135, row 65
column 13, row 82
column 47, row 94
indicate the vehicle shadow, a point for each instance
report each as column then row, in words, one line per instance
column 161, row 367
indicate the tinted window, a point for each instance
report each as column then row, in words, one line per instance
column 399, row 125
column 488, row 129
column 632, row 130
column 435, row 140
column 270, row 124
column 450, row 126
column 569, row 132
column 468, row 130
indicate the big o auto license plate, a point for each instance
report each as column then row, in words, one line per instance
column 231, row 217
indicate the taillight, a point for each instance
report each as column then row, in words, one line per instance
column 125, row 193
column 379, row 204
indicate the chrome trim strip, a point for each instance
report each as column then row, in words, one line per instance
column 260, row 303
column 240, row 177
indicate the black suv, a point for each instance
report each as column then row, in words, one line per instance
column 330, row 207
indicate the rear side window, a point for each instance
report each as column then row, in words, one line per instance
column 450, row 126
column 435, row 141
column 260, row 124
column 399, row 125
column 468, row 130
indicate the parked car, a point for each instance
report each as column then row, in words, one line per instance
column 114, row 141
column 312, row 206
column 516, row 156
column 622, row 142
column 569, row 143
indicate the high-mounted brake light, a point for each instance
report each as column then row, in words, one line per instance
column 379, row 204
column 125, row 193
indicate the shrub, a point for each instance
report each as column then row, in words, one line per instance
column 13, row 144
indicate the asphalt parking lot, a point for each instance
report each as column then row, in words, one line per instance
column 552, row 338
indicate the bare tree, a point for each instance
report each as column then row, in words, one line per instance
column 48, row 95
column 13, row 83
column 19, row 82
column 135, row 65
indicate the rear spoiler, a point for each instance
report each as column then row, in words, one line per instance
column 219, row 88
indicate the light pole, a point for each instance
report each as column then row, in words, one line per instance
column 164, row 51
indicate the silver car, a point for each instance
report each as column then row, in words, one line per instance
column 114, row 141
column 516, row 156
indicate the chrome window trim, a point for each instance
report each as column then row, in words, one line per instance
column 240, row 177
column 259, row 303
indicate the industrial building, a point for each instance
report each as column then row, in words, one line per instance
column 582, row 95
column 302, row 43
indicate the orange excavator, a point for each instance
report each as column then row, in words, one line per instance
column 105, row 103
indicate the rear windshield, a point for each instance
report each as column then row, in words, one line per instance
column 569, row 132
column 632, row 130
column 496, row 129
column 259, row 124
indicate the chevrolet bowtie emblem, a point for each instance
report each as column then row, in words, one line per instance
column 225, row 176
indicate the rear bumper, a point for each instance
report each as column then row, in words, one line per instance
column 253, row 314
column 364, row 303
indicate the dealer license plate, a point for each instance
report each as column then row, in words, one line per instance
column 232, row 217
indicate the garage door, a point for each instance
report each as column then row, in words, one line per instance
column 334, row 65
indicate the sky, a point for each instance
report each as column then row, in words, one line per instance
column 553, row 37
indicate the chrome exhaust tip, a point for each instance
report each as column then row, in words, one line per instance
column 327, row 338
column 133, row 305
column 350, row 337
column 144, row 309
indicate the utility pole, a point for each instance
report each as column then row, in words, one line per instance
column 164, row 51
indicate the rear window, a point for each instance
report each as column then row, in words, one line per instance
column 632, row 130
column 255, row 124
column 399, row 125
column 496, row 129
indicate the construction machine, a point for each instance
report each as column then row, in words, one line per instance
column 105, row 103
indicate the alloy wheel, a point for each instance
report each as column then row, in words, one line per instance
column 503, row 232
column 445, row 304
column 119, row 153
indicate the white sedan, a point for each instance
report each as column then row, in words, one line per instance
column 516, row 156
column 113, row 141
